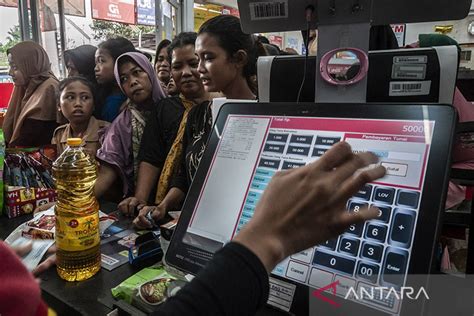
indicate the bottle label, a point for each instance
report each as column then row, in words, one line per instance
column 76, row 234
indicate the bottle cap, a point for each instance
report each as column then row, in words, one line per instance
column 74, row 141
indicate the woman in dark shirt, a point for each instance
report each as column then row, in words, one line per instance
column 120, row 148
column 161, row 149
column 110, row 98
column 227, row 64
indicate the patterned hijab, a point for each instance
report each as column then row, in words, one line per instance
column 139, row 113
column 143, row 63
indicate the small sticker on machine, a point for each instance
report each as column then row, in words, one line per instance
column 269, row 10
column 409, row 71
column 281, row 294
column 410, row 59
column 409, row 88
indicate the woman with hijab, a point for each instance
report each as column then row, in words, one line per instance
column 32, row 106
column 118, row 155
column 162, row 142
column 81, row 61
column 227, row 63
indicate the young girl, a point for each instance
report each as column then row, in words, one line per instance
column 119, row 152
column 228, row 58
column 227, row 64
column 76, row 103
column 110, row 95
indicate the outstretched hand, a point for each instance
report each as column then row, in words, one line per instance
column 43, row 266
column 306, row 206
column 157, row 213
column 129, row 205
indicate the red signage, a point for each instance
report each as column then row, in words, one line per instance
column 114, row 10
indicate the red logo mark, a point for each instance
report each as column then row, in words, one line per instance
column 333, row 286
column 73, row 223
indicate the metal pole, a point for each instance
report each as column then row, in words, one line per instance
column 158, row 22
column 23, row 20
column 179, row 19
column 178, row 7
column 35, row 25
column 188, row 15
column 62, row 37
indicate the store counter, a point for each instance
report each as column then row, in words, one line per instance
column 89, row 297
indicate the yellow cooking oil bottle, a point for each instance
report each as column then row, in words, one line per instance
column 77, row 214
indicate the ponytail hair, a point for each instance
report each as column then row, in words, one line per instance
column 117, row 46
column 228, row 32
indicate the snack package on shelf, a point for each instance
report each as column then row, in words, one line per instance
column 28, row 181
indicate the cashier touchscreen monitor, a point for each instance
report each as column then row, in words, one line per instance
column 251, row 142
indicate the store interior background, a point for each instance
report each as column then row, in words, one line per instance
column 176, row 16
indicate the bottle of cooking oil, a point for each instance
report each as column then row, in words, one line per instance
column 77, row 214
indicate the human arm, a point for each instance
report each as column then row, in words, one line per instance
column 115, row 156
column 147, row 177
column 178, row 186
column 50, row 260
column 159, row 134
column 311, row 198
column 172, row 201
column 233, row 283
column 105, row 179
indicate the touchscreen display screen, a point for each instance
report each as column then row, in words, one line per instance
column 252, row 149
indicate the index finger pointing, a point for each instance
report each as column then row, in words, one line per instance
column 335, row 156
column 351, row 166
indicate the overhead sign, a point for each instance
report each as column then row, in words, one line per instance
column 114, row 10
column 146, row 12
